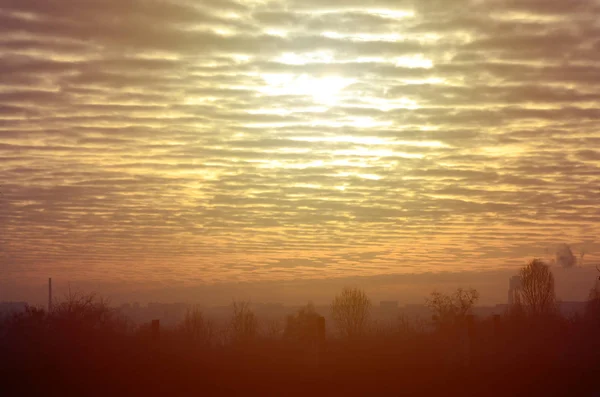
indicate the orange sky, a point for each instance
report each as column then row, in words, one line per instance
column 169, row 143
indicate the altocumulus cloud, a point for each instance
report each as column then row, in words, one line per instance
column 223, row 141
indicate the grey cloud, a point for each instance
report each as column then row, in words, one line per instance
column 589, row 155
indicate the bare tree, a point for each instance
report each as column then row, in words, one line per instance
column 244, row 325
column 86, row 311
column 273, row 328
column 350, row 311
column 197, row 329
column 447, row 309
column 537, row 288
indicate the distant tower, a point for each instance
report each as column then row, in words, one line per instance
column 50, row 294
column 514, row 286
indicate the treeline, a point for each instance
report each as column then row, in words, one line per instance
column 84, row 347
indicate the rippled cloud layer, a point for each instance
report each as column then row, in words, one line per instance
column 207, row 141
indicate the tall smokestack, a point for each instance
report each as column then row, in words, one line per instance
column 50, row 294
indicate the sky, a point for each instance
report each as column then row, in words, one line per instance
column 296, row 145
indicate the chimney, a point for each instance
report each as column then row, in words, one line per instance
column 50, row 294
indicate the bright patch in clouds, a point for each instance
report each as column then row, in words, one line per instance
column 365, row 37
column 414, row 62
column 292, row 58
column 322, row 89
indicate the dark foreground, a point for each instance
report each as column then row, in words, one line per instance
column 551, row 357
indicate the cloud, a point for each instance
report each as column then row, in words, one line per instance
column 225, row 141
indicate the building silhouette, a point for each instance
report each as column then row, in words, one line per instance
column 514, row 288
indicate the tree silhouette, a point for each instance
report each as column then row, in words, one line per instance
column 592, row 307
column 244, row 325
column 350, row 311
column 447, row 309
column 78, row 311
column 303, row 325
column 198, row 330
column 537, row 288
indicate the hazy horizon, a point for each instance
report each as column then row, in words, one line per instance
column 279, row 150
column 572, row 284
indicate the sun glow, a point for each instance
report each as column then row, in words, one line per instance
column 386, row 37
column 323, row 89
column 414, row 62
column 292, row 58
